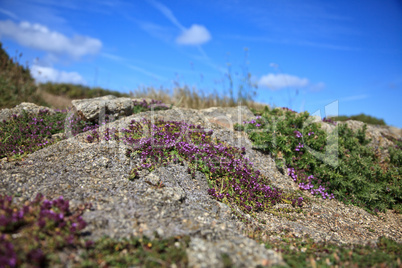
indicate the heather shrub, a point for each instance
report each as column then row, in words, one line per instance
column 33, row 233
column 357, row 178
column 231, row 177
column 26, row 133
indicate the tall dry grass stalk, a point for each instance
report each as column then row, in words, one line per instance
column 191, row 98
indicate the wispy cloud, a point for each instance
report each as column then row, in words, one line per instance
column 112, row 57
column 160, row 32
column 279, row 81
column 143, row 71
column 343, row 99
column 327, row 46
column 354, row 98
column 295, row 42
column 45, row 74
column 167, row 13
column 8, row 13
column 311, row 19
column 195, row 35
column 125, row 61
column 39, row 37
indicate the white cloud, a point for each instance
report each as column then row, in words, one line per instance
column 48, row 74
column 40, row 37
column 278, row 81
column 196, row 35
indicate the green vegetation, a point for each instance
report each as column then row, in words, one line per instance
column 35, row 232
column 360, row 117
column 140, row 251
column 78, row 91
column 356, row 178
column 16, row 83
column 304, row 252
column 24, row 134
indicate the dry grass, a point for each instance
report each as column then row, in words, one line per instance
column 56, row 102
column 180, row 97
column 192, row 98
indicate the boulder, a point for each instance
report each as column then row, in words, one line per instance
column 227, row 117
column 30, row 108
column 93, row 109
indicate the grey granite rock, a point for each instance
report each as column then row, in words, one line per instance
column 166, row 202
column 93, row 109
column 229, row 116
column 28, row 107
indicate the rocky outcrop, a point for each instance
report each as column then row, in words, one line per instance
column 167, row 201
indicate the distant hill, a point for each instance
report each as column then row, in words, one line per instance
column 16, row 82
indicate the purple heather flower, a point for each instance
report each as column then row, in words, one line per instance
column 298, row 147
column 298, row 134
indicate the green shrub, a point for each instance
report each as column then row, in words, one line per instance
column 357, row 178
column 361, row 117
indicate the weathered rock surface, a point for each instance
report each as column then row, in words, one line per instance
column 381, row 137
column 97, row 173
column 383, row 134
column 227, row 117
column 28, row 107
column 168, row 201
column 375, row 132
column 92, row 109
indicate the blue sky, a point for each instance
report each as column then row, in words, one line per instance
column 305, row 55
